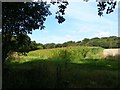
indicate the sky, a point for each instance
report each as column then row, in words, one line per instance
column 82, row 21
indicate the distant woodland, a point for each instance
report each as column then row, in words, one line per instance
column 104, row 42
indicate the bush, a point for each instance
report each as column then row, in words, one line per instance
column 13, row 56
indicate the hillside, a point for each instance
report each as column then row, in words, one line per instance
column 70, row 67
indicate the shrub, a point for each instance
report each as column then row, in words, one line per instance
column 13, row 56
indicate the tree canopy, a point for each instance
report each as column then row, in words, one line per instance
column 21, row 18
column 104, row 42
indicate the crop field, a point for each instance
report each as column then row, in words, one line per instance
column 70, row 67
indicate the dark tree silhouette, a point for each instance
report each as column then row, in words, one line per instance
column 109, row 4
column 20, row 19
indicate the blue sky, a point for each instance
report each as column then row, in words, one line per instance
column 81, row 22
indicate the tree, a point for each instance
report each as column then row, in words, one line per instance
column 22, row 43
column 40, row 46
column 49, row 45
column 69, row 43
column 33, row 46
column 104, row 42
column 84, row 41
column 58, row 45
column 23, row 17
column 19, row 19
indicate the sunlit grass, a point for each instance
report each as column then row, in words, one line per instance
column 71, row 53
column 71, row 67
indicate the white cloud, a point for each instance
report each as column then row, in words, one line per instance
column 69, row 37
column 103, row 34
column 84, row 29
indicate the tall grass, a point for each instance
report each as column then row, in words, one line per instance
column 71, row 67
column 69, row 54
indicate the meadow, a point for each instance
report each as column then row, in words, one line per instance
column 70, row 67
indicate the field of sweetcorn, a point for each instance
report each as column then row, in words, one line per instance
column 71, row 67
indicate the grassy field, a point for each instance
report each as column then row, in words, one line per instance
column 71, row 67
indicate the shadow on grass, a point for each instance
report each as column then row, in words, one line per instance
column 54, row 74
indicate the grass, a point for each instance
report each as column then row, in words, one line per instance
column 72, row 67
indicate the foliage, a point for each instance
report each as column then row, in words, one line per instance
column 69, row 43
column 34, row 46
column 110, row 4
column 38, row 71
column 62, row 5
column 70, row 54
column 104, row 42
column 58, row 45
column 40, row 46
column 19, row 19
column 49, row 45
column 24, row 16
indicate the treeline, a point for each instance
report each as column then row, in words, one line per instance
column 23, row 44
column 104, row 42
column 28, row 45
